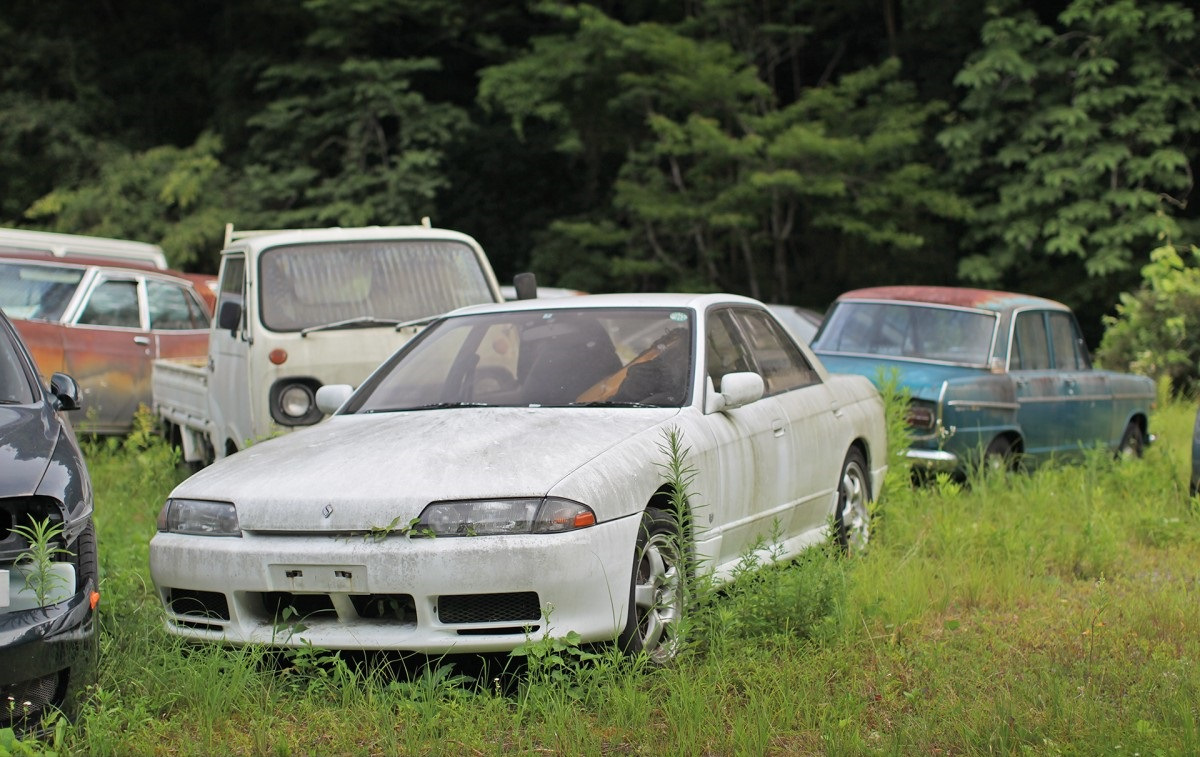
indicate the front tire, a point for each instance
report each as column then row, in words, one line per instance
column 657, row 589
column 854, row 504
column 1133, row 442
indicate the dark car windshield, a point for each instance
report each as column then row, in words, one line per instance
column 633, row 357
column 15, row 387
column 920, row 332
column 31, row 290
column 368, row 283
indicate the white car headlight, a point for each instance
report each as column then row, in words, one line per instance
column 491, row 517
column 199, row 517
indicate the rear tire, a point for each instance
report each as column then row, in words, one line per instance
column 854, row 504
column 999, row 455
column 656, row 589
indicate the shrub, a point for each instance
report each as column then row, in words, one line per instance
column 1156, row 331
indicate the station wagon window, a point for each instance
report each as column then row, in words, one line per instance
column 1069, row 353
column 113, row 303
column 782, row 365
column 1031, row 352
column 173, row 307
column 37, row 291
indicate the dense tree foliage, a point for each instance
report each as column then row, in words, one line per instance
column 787, row 149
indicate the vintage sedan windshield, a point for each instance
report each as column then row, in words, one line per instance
column 32, row 290
column 368, row 281
column 587, row 357
column 942, row 334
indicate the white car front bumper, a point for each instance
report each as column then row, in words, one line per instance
column 428, row 595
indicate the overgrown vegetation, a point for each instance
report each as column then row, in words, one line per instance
column 1055, row 612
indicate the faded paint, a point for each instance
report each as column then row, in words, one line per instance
column 307, row 502
column 963, row 297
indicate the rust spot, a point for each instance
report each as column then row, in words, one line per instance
column 966, row 297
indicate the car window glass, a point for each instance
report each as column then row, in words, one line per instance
column 37, row 291
column 943, row 334
column 1068, row 348
column 14, row 384
column 112, row 303
column 724, row 349
column 233, row 273
column 782, row 365
column 169, row 308
column 316, row 284
column 1030, row 351
column 586, row 357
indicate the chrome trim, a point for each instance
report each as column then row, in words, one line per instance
column 996, row 405
column 937, row 460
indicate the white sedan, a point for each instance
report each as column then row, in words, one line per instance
column 507, row 474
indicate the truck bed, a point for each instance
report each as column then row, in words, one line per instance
column 179, row 388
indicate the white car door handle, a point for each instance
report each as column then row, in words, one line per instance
column 142, row 340
column 777, row 426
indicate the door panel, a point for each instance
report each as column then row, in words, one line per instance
column 108, row 352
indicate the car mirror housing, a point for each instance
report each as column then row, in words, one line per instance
column 332, row 396
column 65, row 391
column 737, row 389
column 230, row 316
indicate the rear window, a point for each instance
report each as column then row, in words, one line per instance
column 920, row 332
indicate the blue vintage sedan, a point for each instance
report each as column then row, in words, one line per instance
column 993, row 376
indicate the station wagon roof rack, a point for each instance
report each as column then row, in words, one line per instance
column 82, row 247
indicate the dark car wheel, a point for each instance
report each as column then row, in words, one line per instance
column 999, row 455
column 656, row 591
column 1133, row 442
column 854, row 504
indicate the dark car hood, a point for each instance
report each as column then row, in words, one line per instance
column 27, row 442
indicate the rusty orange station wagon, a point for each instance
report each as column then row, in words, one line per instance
column 103, row 321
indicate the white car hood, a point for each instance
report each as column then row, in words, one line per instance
column 356, row 472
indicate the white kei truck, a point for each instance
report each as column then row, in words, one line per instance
column 302, row 308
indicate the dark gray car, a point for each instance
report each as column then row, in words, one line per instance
column 48, row 642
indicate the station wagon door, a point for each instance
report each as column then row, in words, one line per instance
column 108, row 351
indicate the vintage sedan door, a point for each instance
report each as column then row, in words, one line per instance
column 1037, row 385
column 1088, row 402
column 108, row 351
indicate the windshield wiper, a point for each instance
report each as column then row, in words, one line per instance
column 416, row 322
column 611, row 403
column 430, row 406
column 349, row 323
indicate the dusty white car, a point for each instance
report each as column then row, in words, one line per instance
column 504, row 475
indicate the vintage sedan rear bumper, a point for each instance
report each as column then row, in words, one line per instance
column 935, row 460
column 427, row 595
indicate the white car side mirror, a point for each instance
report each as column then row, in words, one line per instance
column 737, row 389
column 332, row 396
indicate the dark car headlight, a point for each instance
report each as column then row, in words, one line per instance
column 199, row 517
column 294, row 402
column 921, row 415
column 491, row 517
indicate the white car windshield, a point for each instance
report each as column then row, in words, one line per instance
column 613, row 357
column 31, row 290
column 941, row 334
column 351, row 283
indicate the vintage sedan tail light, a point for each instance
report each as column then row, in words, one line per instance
column 921, row 415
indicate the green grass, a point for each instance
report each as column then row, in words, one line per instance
column 1056, row 612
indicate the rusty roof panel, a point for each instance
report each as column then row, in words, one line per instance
column 966, row 297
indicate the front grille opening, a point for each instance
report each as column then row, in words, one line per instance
column 195, row 624
column 394, row 607
column 23, row 511
column 489, row 608
column 503, row 630
column 303, row 606
column 27, row 700
column 204, row 604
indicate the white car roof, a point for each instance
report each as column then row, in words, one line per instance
column 632, row 300
column 259, row 240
